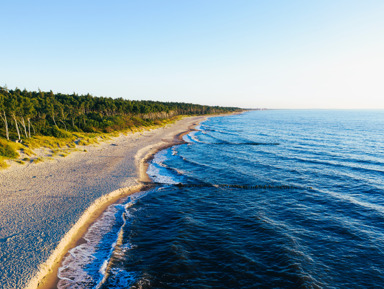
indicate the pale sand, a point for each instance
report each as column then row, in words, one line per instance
column 46, row 208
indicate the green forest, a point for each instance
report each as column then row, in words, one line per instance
column 25, row 114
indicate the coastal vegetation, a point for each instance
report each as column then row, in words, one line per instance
column 33, row 119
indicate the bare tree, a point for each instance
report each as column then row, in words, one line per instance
column 4, row 118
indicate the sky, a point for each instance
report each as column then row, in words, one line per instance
column 244, row 53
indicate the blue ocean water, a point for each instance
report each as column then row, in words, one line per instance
column 265, row 199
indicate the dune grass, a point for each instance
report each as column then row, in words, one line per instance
column 38, row 160
column 9, row 149
column 3, row 163
column 64, row 143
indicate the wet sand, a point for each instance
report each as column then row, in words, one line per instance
column 46, row 208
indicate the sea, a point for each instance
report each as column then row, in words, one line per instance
column 263, row 199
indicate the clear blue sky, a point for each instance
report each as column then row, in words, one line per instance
column 248, row 53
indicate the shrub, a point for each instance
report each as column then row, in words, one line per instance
column 7, row 150
column 59, row 133
column 3, row 164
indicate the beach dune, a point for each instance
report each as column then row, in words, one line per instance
column 45, row 208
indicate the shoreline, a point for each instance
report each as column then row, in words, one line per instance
column 177, row 139
column 47, row 276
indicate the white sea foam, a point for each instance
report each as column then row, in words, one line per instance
column 174, row 150
column 191, row 138
column 73, row 270
column 159, row 172
column 86, row 265
column 194, row 137
column 121, row 278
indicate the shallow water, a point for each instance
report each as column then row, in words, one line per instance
column 266, row 199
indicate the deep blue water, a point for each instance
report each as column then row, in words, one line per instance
column 266, row 199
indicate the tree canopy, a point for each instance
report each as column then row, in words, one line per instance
column 27, row 113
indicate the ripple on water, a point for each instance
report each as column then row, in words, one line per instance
column 330, row 236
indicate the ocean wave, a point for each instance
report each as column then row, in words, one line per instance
column 222, row 218
column 160, row 172
column 83, row 266
column 87, row 265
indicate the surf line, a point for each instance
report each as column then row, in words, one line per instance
column 46, row 277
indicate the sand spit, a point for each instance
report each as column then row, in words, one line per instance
column 45, row 208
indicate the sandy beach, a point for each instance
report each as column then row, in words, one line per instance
column 46, row 208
